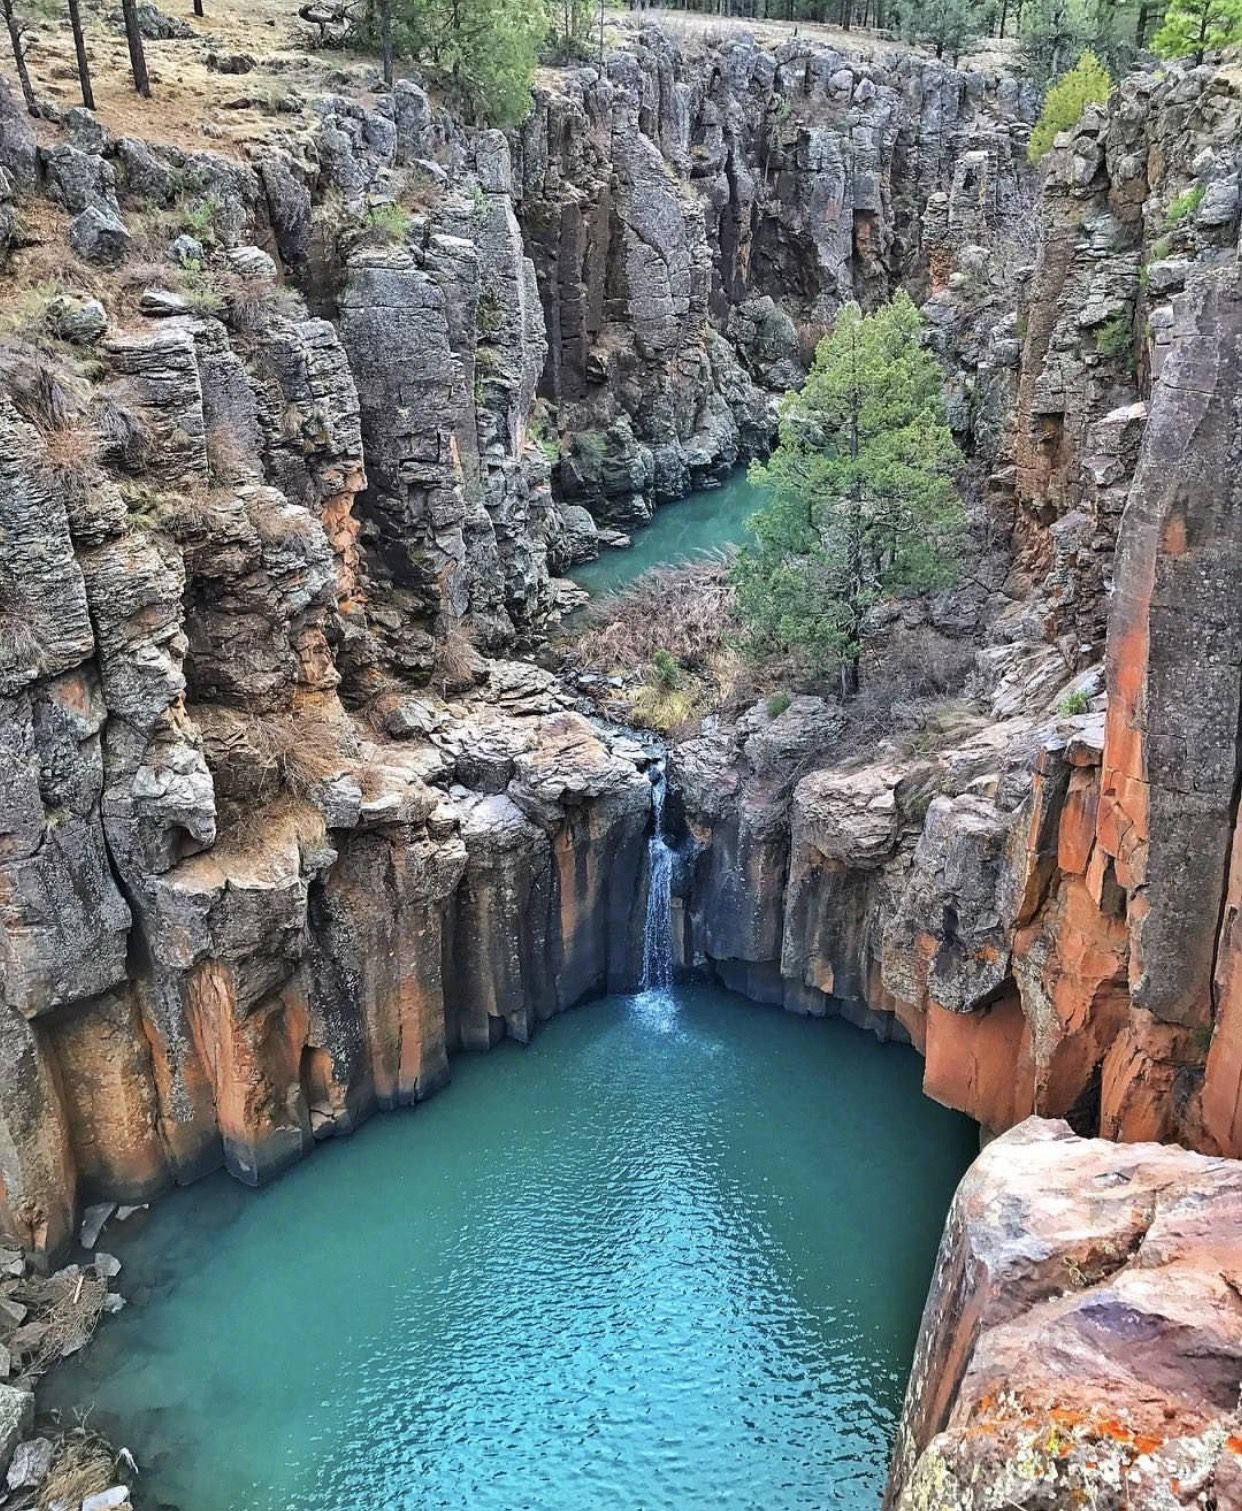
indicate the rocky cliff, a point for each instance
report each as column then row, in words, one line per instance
column 1080, row 1345
column 279, row 830
column 1038, row 888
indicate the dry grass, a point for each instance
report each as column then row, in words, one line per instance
column 273, row 518
column 44, row 390
column 228, row 458
column 670, row 710
column 68, row 1307
column 83, row 1464
column 456, row 663
column 686, row 618
column 21, row 640
column 24, row 311
column 71, row 447
column 296, row 753
column 810, row 334
column 124, row 435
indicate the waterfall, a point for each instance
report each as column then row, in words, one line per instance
column 658, row 927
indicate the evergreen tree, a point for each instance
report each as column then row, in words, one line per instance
column 17, row 41
column 861, row 501
column 951, row 26
column 1194, row 27
column 137, row 55
column 79, row 48
column 1086, row 83
column 573, row 23
column 1053, row 33
column 485, row 48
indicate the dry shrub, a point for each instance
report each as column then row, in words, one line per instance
column 53, row 261
column 228, row 457
column 191, row 515
column 243, row 827
column 273, row 520
column 687, row 610
column 24, row 312
column 810, row 334
column 124, row 436
column 43, row 391
column 251, row 304
column 71, row 447
column 296, row 753
column 21, row 640
column 68, row 1307
column 456, row 663
column 83, row 1464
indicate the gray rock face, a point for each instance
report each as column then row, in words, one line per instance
column 671, row 199
column 16, row 1418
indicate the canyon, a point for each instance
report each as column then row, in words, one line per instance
column 294, row 804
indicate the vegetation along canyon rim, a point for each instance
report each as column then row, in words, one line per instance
column 881, row 361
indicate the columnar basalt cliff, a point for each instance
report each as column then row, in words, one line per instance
column 1040, row 893
column 280, row 831
column 292, row 455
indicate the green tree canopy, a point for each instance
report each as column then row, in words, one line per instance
column 951, row 26
column 861, row 501
column 1086, row 83
column 485, row 48
column 1193, row 27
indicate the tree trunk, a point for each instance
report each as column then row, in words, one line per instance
column 198, row 7
column 79, row 47
column 385, row 11
column 137, row 58
column 19, row 57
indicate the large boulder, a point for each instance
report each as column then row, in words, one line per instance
column 1080, row 1344
column 16, row 1420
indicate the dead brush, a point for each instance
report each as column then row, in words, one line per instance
column 68, row 1308
column 83, row 1465
column 274, row 521
column 21, row 640
column 810, row 334
column 43, row 390
column 228, row 457
column 125, row 437
column 297, row 753
column 456, row 662
column 688, row 610
column 72, row 447
column 195, row 513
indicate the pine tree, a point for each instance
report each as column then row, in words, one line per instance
column 137, row 56
column 1194, row 27
column 17, row 41
column 485, row 48
column 79, row 47
column 1054, row 32
column 861, row 501
column 950, row 26
column 1086, row 83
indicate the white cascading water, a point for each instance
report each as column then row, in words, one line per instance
column 658, row 927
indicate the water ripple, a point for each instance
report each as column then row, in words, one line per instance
column 669, row 1258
